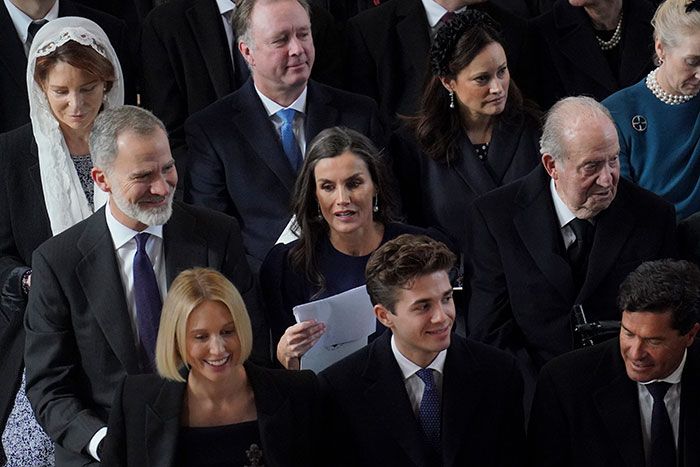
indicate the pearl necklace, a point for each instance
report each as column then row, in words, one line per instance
column 663, row 96
column 615, row 39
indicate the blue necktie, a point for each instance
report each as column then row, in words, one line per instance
column 663, row 446
column 289, row 142
column 148, row 302
column 429, row 410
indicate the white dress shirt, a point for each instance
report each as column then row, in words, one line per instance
column 21, row 21
column 299, row 105
column 672, row 399
column 564, row 216
column 434, row 12
column 415, row 385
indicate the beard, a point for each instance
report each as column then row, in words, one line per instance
column 151, row 216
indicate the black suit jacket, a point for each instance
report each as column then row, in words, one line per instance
column 522, row 285
column 236, row 163
column 567, row 60
column 79, row 341
column 187, row 65
column 370, row 421
column 586, row 412
column 145, row 419
column 14, row 105
column 388, row 52
column 439, row 194
column 24, row 225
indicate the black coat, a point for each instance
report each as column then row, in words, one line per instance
column 145, row 419
column 586, row 412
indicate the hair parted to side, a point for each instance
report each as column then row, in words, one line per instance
column 311, row 227
column 110, row 123
column 79, row 56
column 190, row 289
column 564, row 116
column 436, row 127
column 244, row 11
column 672, row 22
column 397, row 263
column 661, row 286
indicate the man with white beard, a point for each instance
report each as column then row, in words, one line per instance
column 97, row 288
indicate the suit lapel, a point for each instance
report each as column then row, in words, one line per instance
column 43, row 223
column 205, row 20
column 183, row 245
column 578, row 44
column 254, row 125
column 536, row 223
column 386, row 394
column 618, row 407
column 471, row 170
column 412, row 29
column 319, row 113
column 461, row 392
column 689, row 436
column 98, row 274
column 12, row 53
column 504, row 143
column 613, row 228
column 163, row 425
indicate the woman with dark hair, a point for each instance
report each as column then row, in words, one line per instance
column 344, row 210
column 45, row 188
column 472, row 133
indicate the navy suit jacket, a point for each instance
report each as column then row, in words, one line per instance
column 14, row 105
column 586, row 412
column 145, row 420
column 236, row 163
column 80, row 342
column 370, row 422
column 522, row 285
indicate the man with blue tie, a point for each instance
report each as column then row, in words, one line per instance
column 632, row 401
column 94, row 308
column 244, row 150
column 420, row 395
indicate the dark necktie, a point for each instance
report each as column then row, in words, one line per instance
column 148, row 302
column 579, row 251
column 663, row 446
column 289, row 141
column 429, row 409
column 447, row 17
column 33, row 28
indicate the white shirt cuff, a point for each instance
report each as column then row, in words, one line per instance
column 95, row 441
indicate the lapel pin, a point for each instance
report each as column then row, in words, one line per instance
column 639, row 123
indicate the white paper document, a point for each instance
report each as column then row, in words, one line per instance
column 349, row 319
column 287, row 235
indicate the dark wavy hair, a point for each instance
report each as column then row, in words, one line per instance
column 436, row 127
column 310, row 226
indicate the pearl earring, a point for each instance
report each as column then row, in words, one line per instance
column 452, row 99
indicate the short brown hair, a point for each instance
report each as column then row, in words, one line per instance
column 243, row 12
column 80, row 56
column 396, row 264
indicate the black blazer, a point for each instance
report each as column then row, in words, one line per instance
column 567, row 61
column 187, row 65
column 145, row 419
column 236, row 163
column 586, row 412
column 370, row 422
column 388, row 52
column 14, row 105
column 439, row 194
column 522, row 285
column 79, row 341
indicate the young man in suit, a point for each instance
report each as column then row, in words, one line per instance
column 568, row 233
column 94, row 306
column 420, row 395
column 244, row 151
column 630, row 401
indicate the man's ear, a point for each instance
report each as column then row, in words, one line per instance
column 384, row 316
column 100, row 178
column 247, row 53
column 692, row 334
column 550, row 165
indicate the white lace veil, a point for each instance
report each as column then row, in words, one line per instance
column 64, row 196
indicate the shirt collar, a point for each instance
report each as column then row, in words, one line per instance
column 564, row 214
column 408, row 368
column 673, row 378
column 434, row 11
column 21, row 21
column 225, row 6
column 122, row 234
column 273, row 107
